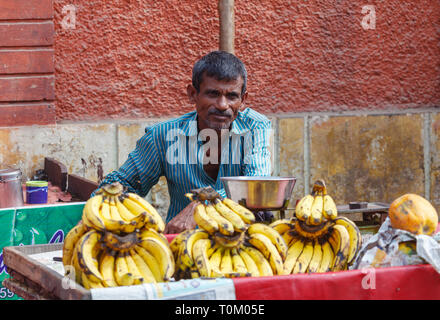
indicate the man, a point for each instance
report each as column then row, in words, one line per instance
column 196, row 149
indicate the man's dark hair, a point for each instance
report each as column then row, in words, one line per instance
column 221, row 65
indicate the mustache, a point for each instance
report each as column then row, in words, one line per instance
column 226, row 113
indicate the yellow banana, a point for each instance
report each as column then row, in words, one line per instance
column 123, row 210
column 86, row 258
column 194, row 272
column 268, row 249
column 70, row 240
column 105, row 209
column 304, row 207
column 212, row 248
column 251, row 266
column 224, row 226
column 151, row 211
column 238, row 264
column 200, row 256
column 315, row 261
column 89, row 284
column 133, row 269
column 237, row 274
column 327, row 258
column 162, row 253
column 282, row 225
column 230, row 215
column 178, row 258
column 273, row 235
column 203, row 220
column 245, row 214
column 91, row 216
column 226, row 262
column 144, row 270
column 214, row 262
column 75, row 263
column 262, row 263
column 340, row 242
column 111, row 218
column 107, row 267
column 315, row 217
column 175, row 244
column 292, row 256
column 151, row 221
column 144, row 233
column 304, row 258
column 114, row 212
column 355, row 236
column 122, row 275
column 188, row 244
column 152, row 263
column 329, row 211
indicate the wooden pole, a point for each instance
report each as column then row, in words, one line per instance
column 227, row 25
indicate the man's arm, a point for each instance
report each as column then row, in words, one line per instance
column 257, row 158
column 141, row 170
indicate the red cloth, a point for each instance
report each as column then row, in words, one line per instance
column 419, row 282
column 406, row 282
column 170, row 237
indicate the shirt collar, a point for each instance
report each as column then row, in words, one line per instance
column 189, row 127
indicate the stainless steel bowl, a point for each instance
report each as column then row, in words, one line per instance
column 260, row 193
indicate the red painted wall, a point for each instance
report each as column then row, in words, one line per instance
column 133, row 59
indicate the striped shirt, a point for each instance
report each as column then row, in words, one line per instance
column 175, row 149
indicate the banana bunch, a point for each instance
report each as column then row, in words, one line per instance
column 117, row 243
column 112, row 209
column 228, row 242
column 316, row 207
column 317, row 239
column 220, row 217
column 259, row 251
column 106, row 259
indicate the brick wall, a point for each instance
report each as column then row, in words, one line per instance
column 27, row 76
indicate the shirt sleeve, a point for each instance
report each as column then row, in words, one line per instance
column 142, row 169
column 257, row 158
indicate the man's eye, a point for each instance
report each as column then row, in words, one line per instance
column 232, row 96
column 213, row 94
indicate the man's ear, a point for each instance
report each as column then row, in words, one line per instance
column 243, row 98
column 192, row 93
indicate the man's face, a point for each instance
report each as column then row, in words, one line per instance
column 217, row 103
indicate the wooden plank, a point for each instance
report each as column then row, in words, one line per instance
column 26, row 34
column 27, row 114
column 27, row 61
column 80, row 187
column 56, row 172
column 26, row 9
column 17, row 258
column 30, row 88
column 23, row 290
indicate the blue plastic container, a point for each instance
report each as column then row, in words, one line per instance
column 36, row 192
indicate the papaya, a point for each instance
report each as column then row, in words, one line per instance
column 413, row 213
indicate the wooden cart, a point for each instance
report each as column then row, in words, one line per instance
column 33, row 280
